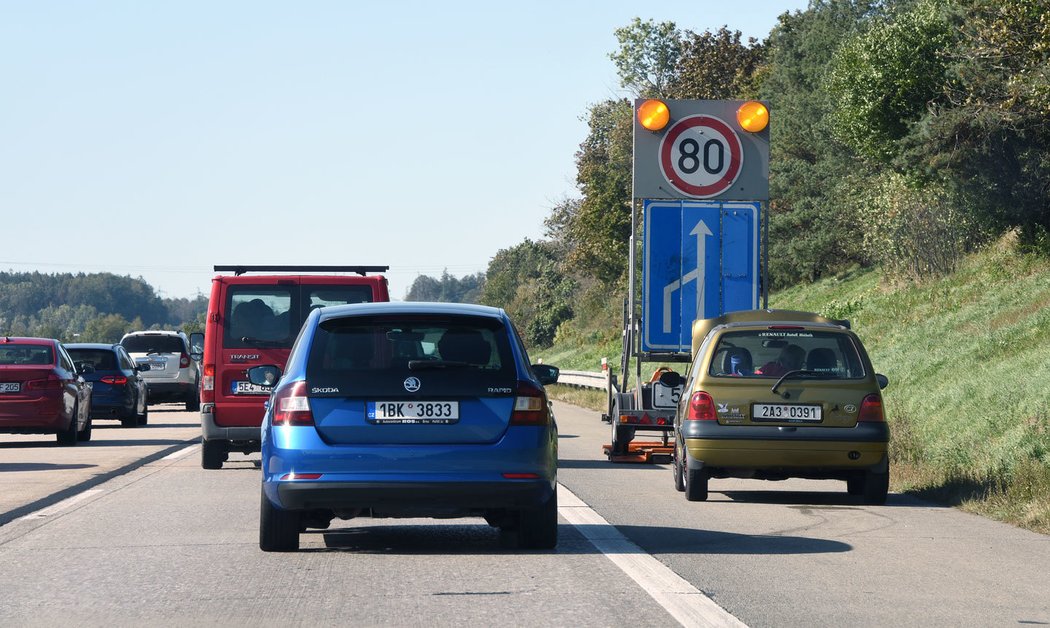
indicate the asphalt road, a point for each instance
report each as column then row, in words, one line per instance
column 128, row 529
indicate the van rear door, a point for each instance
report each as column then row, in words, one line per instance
column 261, row 321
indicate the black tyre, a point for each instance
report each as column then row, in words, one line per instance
column 696, row 485
column 213, row 454
column 677, row 465
column 876, row 487
column 855, row 485
column 278, row 529
column 193, row 402
column 621, row 436
column 84, row 435
column 68, row 436
column 538, row 527
column 131, row 419
column 143, row 418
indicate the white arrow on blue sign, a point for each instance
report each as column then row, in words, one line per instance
column 701, row 260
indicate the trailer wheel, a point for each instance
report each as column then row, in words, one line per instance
column 621, row 434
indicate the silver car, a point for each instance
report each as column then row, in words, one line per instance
column 173, row 374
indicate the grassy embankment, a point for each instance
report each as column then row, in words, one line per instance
column 968, row 357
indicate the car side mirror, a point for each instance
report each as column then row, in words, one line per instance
column 546, row 373
column 141, row 368
column 671, row 379
column 85, row 368
column 197, row 346
column 882, row 380
column 266, row 375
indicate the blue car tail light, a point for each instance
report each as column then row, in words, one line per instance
column 530, row 405
column 292, row 407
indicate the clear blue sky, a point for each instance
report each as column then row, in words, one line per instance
column 158, row 139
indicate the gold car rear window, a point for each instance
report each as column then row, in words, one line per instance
column 774, row 352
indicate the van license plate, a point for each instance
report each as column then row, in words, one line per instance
column 157, row 366
column 789, row 412
column 421, row 412
column 10, row 387
column 248, row 388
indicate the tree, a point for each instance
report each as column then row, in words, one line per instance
column 526, row 280
column 717, row 66
column 990, row 136
column 813, row 177
column 107, row 328
column 596, row 228
column 647, row 58
column 448, row 289
column 883, row 80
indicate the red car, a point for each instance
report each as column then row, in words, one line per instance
column 253, row 320
column 41, row 391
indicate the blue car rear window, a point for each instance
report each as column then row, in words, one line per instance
column 100, row 359
column 451, row 355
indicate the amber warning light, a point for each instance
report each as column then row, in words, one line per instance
column 653, row 115
column 752, row 116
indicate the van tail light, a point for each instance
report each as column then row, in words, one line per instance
column 871, row 410
column 530, row 406
column 184, row 360
column 291, row 405
column 51, row 382
column 208, row 384
column 701, row 407
column 114, row 380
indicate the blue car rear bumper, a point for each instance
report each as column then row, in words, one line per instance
column 438, row 476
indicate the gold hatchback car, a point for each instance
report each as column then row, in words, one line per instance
column 772, row 394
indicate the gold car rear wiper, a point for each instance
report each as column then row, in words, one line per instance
column 792, row 374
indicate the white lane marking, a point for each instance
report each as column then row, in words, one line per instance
column 180, row 453
column 54, row 509
column 687, row 604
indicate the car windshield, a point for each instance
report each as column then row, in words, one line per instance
column 100, row 359
column 773, row 353
column 452, row 355
column 26, row 354
column 148, row 343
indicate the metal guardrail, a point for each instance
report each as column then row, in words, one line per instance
column 583, row 379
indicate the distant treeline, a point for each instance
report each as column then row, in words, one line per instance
column 95, row 307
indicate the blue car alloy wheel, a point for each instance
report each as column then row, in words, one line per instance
column 408, row 410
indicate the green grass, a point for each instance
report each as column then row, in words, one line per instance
column 590, row 398
column 968, row 358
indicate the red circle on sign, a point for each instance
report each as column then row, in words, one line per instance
column 731, row 172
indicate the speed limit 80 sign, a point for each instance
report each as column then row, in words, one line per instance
column 702, row 152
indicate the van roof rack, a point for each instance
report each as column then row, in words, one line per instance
column 360, row 270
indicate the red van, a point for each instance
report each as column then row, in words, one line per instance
column 253, row 319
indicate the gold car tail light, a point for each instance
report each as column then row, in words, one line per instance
column 701, row 407
column 871, row 410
